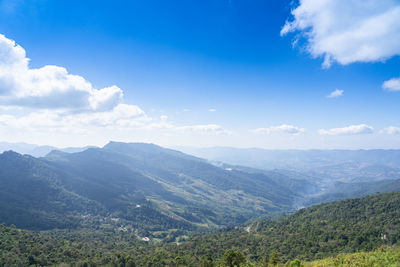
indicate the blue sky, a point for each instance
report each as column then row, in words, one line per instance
column 204, row 73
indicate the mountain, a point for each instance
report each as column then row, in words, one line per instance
column 32, row 196
column 138, row 186
column 149, row 188
column 317, row 232
column 181, row 186
column 24, row 148
column 339, row 191
column 36, row 150
column 338, row 174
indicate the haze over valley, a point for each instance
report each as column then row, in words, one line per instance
column 212, row 133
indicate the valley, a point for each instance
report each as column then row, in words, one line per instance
column 157, row 205
column 322, row 235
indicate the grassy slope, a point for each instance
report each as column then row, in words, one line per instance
column 381, row 257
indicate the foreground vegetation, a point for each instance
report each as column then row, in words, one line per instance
column 381, row 257
column 318, row 234
column 23, row 248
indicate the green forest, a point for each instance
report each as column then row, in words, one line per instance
column 353, row 232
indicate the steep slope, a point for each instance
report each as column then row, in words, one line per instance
column 136, row 186
column 180, row 186
column 37, row 195
column 31, row 195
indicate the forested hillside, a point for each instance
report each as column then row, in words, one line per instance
column 150, row 188
column 314, row 233
column 32, row 195
column 142, row 188
column 144, row 205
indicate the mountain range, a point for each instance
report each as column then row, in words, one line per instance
column 142, row 186
column 339, row 174
column 148, row 189
column 36, row 150
column 143, row 204
column 299, row 159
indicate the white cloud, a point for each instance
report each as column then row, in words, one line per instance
column 349, row 130
column 335, row 93
column 392, row 84
column 212, row 110
column 121, row 116
column 284, row 128
column 49, row 87
column 48, row 101
column 348, row 31
column 206, row 128
column 391, row 130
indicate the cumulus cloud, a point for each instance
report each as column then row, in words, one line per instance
column 50, row 100
column 284, row 128
column 392, row 84
column 348, row 31
column 212, row 110
column 206, row 128
column 121, row 116
column 48, row 87
column 391, row 130
column 349, row 130
column 336, row 93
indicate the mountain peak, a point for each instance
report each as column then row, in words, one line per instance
column 116, row 144
column 10, row 154
column 129, row 148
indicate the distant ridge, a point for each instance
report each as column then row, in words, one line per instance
column 294, row 158
column 143, row 186
column 36, row 150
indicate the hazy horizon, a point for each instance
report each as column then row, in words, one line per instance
column 199, row 133
column 178, row 147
